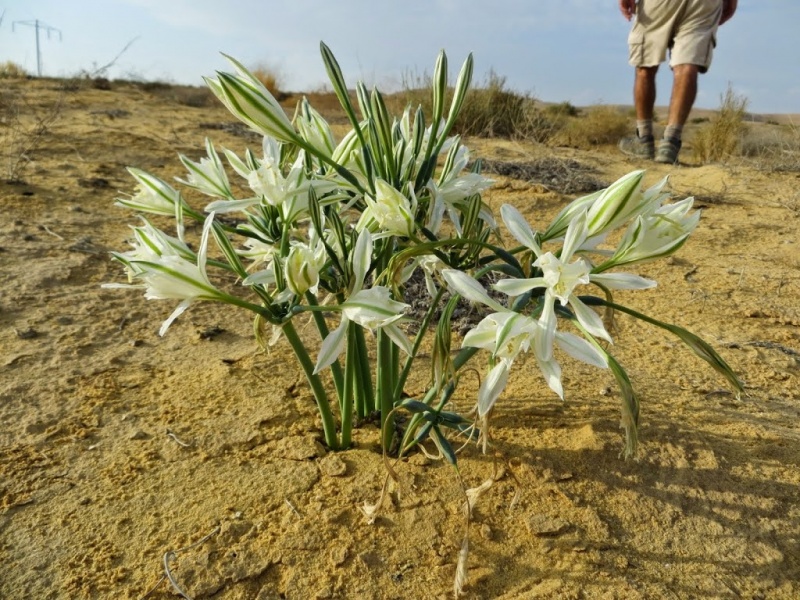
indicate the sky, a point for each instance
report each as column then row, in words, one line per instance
column 555, row 50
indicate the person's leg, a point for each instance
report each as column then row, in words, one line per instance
column 642, row 145
column 684, row 92
column 644, row 99
column 690, row 54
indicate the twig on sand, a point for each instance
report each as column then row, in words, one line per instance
column 46, row 229
column 170, row 555
column 177, row 439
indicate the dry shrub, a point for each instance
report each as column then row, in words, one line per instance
column 598, row 126
column 489, row 110
column 722, row 137
column 196, row 97
column 493, row 111
column 24, row 128
column 271, row 78
column 11, row 70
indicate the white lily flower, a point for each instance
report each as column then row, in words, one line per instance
column 314, row 129
column 560, row 277
column 248, row 100
column 155, row 196
column 170, row 276
column 507, row 334
column 151, row 244
column 373, row 308
column 303, row 265
column 431, row 266
column 388, row 213
column 655, row 235
column 370, row 308
column 207, row 176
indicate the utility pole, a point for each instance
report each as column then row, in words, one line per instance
column 37, row 25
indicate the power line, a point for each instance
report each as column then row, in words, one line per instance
column 37, row 25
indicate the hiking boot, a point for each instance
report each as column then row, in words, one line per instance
column 668, row 149
column 638, row 147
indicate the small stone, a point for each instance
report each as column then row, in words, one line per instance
column 139, row 435
column 338, row 556
column 544, row 526
column 27, row 334
column 332, row 466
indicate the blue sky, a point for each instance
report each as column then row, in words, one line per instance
column 556, row 50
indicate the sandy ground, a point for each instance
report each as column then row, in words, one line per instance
column 117, row 446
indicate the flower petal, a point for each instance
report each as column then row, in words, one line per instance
column 492, row 387
column 519, row 228
column 470, row 289
column 623, row 281
column 579, row 348
column 589, row 319
column 332, row 346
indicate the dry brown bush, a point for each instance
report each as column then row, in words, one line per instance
column 490, row 110
column 11, row 70
column 597, row 126
column 722, row 137
column 271, row 78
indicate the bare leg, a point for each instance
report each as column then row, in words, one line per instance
column 644, row 92
column 684, row 91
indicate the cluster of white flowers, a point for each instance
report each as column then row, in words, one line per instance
column 343, row 225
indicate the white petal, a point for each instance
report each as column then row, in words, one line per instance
column 579, row 348
column 175, row 314
column 362, row 256
column 519, row 228
column 492, row 387
column 589, row 319
column 543, row 344
column 552, row 375
column 398, row 337
column 227, row 206
column 332, row 346
column 470, row 289
column 623, row 281
column 516, row 287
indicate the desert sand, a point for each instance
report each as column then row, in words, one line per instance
column 118, row 446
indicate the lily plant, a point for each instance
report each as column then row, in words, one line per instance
column 335, row 229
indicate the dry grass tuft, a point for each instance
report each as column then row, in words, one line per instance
column 598, row 126
column 11, row 70
column 271, row 78
column 722, row 137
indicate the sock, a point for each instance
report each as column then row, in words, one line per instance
column 673, row 132
column 644, row 128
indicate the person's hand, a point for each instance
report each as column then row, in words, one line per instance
column 728, row 8
column 628, row 8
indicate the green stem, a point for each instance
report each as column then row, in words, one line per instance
column 367, row 394
column 401, row 379
column 346, row 402
column 328, row 423
column 384, row 386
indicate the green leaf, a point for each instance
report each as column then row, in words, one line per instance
column 697, row 345
column 630, row 406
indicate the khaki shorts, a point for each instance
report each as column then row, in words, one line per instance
column 688, row 28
